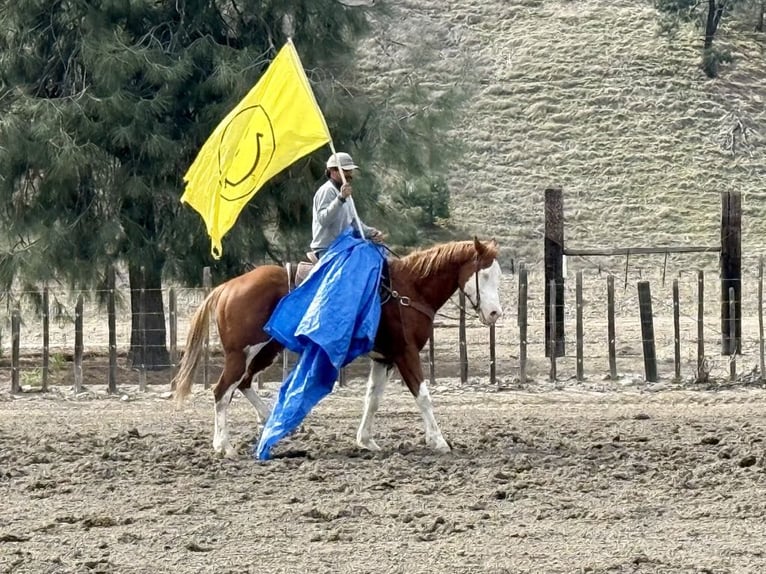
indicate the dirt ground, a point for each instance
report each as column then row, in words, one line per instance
column 616, row 477
column 545, row 477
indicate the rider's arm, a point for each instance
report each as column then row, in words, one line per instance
column 328, row 206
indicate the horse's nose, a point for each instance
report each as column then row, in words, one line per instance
column 495, row 314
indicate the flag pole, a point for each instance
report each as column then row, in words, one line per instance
column 353, row 205
column 327, row 130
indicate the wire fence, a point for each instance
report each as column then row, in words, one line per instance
column 460, row 347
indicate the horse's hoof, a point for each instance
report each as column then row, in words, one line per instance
column 263, row 417
column 368, row 444
column 230, row 453
column 440, row 445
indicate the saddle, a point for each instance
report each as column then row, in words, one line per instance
column 297, row 273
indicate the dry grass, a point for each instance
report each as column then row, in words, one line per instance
column 589, row 95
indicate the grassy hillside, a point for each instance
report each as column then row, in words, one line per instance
column 588, row 95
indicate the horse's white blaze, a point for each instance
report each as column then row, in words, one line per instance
column 376, row 384
column 490, row 309
column 434, row 436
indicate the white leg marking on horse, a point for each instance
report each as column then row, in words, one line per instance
column 434, row 436
column 221, row 435
column 260, row 407
column 376, row 384
column 251, row 395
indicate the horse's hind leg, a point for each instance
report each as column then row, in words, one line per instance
column 257, row 360
column 375, row 386
column 233, row 373
column 412, row 372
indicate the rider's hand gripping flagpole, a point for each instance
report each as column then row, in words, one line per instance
column 353, row 206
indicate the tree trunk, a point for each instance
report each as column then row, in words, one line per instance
column 157, row 356
column 714, row 13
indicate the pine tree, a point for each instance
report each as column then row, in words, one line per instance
column 107, row 102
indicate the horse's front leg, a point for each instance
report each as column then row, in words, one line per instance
column 412, row 372
column 376, row 383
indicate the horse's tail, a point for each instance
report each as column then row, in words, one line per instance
column 182, row 382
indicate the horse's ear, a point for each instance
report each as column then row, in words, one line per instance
column 479, row 246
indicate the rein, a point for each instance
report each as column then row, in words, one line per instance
column 476, row 306
column 405, row 301
column 391, row 251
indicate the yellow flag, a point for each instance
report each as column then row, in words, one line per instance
column 276, row 123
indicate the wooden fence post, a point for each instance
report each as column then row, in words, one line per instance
column 760, row 317
column 610, row 327
column 732, row 336
column 579, row 326
column 701, row 374
column 431, row 357
column 647, row 331
column 173, row 326
column 522, row 320
column 142, row 331
column 15, row 350
column 492, row 362
column 78, row 344
column 112, row 322
column 207, row 285
column 46, row 339
column 554, row 271
column 676, row 331
column 731, row 270
column 552, row 325
column 462, row 343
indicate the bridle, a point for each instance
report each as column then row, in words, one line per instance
column 477, row 305
column 405, row 301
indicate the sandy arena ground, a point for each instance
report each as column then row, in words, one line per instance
column 564, row 478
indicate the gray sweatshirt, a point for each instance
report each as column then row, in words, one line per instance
column 331, row 216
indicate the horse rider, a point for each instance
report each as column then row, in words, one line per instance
column 331, row 212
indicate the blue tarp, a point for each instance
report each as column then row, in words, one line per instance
column 330, row 319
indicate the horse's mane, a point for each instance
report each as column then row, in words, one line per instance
column 423, row 261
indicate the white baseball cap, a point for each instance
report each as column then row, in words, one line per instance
column 343, row 160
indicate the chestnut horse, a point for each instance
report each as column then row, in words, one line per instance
column 418, row 285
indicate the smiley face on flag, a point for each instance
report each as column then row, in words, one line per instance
column 275, row 124
column 245, row 151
